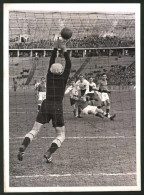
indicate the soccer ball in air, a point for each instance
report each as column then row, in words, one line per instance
column 66, row 33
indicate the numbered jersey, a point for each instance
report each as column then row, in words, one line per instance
column 73, row 91
column 84, row 85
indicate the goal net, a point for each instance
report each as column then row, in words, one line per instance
column 96, row 152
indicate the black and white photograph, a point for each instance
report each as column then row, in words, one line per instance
column 72, row 97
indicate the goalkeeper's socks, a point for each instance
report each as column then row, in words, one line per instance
column 53, row 148
column 107, row 110
column 50, row 151
column 26, row 142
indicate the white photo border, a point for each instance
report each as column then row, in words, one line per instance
column 96, row 7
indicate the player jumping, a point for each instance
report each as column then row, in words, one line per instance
column 52, row 107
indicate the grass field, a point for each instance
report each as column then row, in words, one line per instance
column 96, row 152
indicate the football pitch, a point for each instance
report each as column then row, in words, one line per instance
column 96, row 152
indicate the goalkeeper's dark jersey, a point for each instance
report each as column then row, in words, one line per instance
column 56, row 84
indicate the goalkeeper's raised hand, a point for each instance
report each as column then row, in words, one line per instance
column 62, row 45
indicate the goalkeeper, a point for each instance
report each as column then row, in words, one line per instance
column 52, row 107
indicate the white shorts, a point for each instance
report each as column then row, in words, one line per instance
column 41, row 96
column 103, row 96
column 92, row 109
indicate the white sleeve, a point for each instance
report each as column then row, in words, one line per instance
column 94, row 85
column 87, row 87
column 68, row 90
column 77, row 83
column 36, row 85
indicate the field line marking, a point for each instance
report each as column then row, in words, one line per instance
column 95, row 137
column 69, row 175
column 12, row 112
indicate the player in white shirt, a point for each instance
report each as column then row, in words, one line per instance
column 36, row 87
column 91, row 94
column 73, row 91
column 83, row 85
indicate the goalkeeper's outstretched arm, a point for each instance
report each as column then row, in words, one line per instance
column 53, row 55
column 67, row 59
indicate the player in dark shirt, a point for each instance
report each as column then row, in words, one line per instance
column 41, row 91
column 52, row 107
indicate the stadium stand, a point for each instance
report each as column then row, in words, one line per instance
column 86, row 42
column 102, row 34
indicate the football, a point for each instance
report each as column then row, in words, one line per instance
column 66, row 33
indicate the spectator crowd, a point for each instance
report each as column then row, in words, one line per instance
column 117, row 75
column 93, row 41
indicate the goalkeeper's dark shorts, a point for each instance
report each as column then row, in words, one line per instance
column 51, row 110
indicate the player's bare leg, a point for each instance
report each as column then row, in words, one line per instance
column 60, row 131
column 28, row 138
column 107, row 107
column 100, row 113
column 111, row 117
column 79, row 113
column 74, row 110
